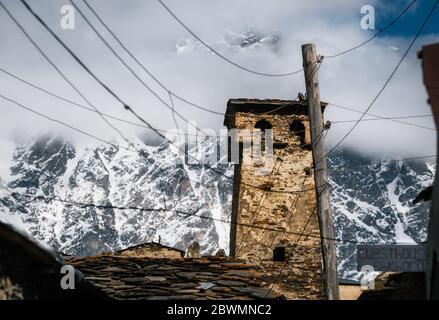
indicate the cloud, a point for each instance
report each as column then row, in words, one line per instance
column 200, row 76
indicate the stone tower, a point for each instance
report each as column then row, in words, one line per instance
column 272, row 208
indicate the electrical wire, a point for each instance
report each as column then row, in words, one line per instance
column 221, row 55
column 394, row 119
column 62, row 123
column 376, row 34
column 70, row 83
column 176, row 18
column 427, row 18
column 142, row 66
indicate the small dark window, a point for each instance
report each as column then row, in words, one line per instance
column 263, row 125
column 298, row 129
column 279, row 253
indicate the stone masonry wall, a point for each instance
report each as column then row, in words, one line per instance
column 286, row 213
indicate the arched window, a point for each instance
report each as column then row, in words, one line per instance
column 263, row 125
column 298, row 129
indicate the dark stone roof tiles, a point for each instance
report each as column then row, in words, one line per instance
column 184, row 278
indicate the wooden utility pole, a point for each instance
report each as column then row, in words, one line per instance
column 324, row 212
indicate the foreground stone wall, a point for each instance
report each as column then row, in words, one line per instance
column 151, row 250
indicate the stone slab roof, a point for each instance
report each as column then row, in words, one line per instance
column 122, row 277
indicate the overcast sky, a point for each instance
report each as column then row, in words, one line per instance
column 200, row 76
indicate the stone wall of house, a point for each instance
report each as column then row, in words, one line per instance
column 286, row 206
column 151, row 250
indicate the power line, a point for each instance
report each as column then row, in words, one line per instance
column 64, row 99
column 71, row 84
column 376, row 34
column 61, row 122
column 408, row 159
column 293, row 205
column 143, row 67
column 129, row 108
column 427, row 18
column 110, row 116
column 287, row 260
column 75, row 104
column 121, row 60
column 386, row 118
column 184, row 213
column 221, row 55
column 380, row 117
column 173, row 111
column 78, row 105
column 414, row 158
column 280, row 74
column 258, row 208
column 105, row 206
column 263, row 196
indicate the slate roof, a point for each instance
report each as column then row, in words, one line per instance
column 127, row 273
column 212, row 277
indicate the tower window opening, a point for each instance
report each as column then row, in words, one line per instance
column 279, row 253
column 263, row 125
column 298, row 129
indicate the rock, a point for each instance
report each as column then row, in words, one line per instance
column 221, row 289
column 155, row 279
column 122, row 287
column 183, row 297
column 113, row 269
column 186, row 275
column 230, row 283
column 183, row 285
column 193, row 251
column 220, row 253
column 98, row 278
column 159, row 298
column 243, row 273
column 205, row 285
column 261, row 293
column 236, row 265
column 134, row 279
column 189, row 291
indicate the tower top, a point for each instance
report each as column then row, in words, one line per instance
column 270, row 106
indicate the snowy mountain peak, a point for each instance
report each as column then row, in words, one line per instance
column 232, row 41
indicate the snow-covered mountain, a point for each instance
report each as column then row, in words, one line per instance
column 372, row 203
column 232, row 42
column 371, row 198
column 158, row 177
